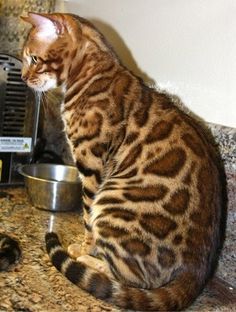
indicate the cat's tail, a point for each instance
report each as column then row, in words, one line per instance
column 176, row 295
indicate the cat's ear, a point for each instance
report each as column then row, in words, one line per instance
column 48, row 27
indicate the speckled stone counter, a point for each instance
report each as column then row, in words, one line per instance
column 34, row 285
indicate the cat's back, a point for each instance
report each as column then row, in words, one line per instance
column 172, row 149
column 174, row 176
column 153, row 119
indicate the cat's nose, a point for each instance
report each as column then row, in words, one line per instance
column 24, row 77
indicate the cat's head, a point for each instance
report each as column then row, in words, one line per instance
column 51, row 44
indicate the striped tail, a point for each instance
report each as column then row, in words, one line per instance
column 176, row 295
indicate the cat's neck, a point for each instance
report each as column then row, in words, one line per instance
column 90, row 57
column 87, row 66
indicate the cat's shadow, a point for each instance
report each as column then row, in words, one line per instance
column 122, row 50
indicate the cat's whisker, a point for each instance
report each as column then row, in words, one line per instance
column 50, row 98
column 54, row 97
column 45, row 102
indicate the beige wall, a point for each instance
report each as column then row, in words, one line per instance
column 185, row 46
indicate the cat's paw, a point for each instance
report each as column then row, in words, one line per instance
column 95, row 263
column 74, row 250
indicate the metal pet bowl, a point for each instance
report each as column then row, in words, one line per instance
column 53, row 187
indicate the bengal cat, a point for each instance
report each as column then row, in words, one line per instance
column 152, row 190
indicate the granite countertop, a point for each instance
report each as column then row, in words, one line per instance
column 33, row 284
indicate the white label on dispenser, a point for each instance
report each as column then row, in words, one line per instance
column 15, row 144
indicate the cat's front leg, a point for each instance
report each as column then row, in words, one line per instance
column 87, row 247
column 76, row 250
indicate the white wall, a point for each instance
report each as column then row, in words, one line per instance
column 186, row 46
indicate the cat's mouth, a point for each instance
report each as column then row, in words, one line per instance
column 44, row 86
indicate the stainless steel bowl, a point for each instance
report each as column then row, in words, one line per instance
column 53, row 187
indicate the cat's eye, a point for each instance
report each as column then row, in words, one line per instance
column 34, row 59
